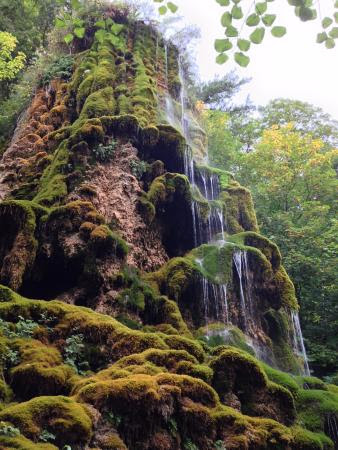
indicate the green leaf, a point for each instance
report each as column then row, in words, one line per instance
column 60, row 23
column 223, row 2
column 321, row 37
column 114, row 40
column 158, row 1
column 306, row 13
column 222, row 58
column 162, row 10
column 75, row 4
column 116, row 28
column 231, row 31
column 269, row 19
column 333, row 33
column 222, row 45
column 253, row 20
column 335, row 15
column 226, row 19
column 79, row 32
column 237, row 12
column 241, row 59
column 100, row 24
column 278, row 31
column 173, row 8
column 100, row 35
column 68, row 38
column 336, row 4
column 261, row 8
column 330, row 43
column 78, row 22
column 243, row 44
column 326, row 22
column 258, row 35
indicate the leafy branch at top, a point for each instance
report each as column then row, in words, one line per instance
column 259, row 19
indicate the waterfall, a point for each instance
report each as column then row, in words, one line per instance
column 166, row 65
column 240, row 259
column 209, row 185
column 298, row 341
column 214, row 297
column 331, row 428
column 215, row 302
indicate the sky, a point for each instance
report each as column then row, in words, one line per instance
column 294, row 66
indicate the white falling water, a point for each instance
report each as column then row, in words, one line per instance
column 298, row 341
column 166, row 64
column 332, row 428
column 214, row 297
column 240, row 259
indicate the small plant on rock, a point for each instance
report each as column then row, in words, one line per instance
column 138, row 168
column 75, row 353
column 103, row 153
column 8, row 430
column 46, row 436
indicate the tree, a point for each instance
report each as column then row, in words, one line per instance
column 306, row 118
column 291, row 176
column 9, row 65
column 218, row 93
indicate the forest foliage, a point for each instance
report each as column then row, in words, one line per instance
column 286, row 154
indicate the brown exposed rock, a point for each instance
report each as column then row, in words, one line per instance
column 117, row 192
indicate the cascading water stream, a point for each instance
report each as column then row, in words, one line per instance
column 240, row 259
column 298, row 341
column 166, row 64
column 205, row 185
column 214, row 297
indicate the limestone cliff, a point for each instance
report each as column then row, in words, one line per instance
column 140, row 307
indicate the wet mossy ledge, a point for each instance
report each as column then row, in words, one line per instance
column 95, row 351
column 144, row 381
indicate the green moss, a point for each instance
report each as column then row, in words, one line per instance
column 99, row 103
column 235, row 370
column 161, row 311
column 201, row 371
column 183, row 343
column 314, row 406
column 311, row 383
column 103, row 241
column 52, row 186
column 62, row 416
column 282, row 378
column 174, row 277
column 40, row 372
column 22, row 443
column 306, row 440
column 5, row 392
column 215, row 262
column 164, row 188
column 239, row 209
column 18, row 242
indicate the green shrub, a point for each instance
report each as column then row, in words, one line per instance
column 138, row 168
column 75, row 353
column 62, row 67
column 103, row 153
column 8, row 430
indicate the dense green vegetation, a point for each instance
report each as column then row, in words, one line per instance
column 287, row 156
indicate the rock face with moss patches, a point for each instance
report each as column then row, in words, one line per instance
column 140, row 308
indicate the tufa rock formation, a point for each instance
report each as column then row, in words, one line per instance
column 140, row 308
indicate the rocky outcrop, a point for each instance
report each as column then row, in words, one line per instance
column 139, row 305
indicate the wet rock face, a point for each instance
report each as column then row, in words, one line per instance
column 137, row 299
